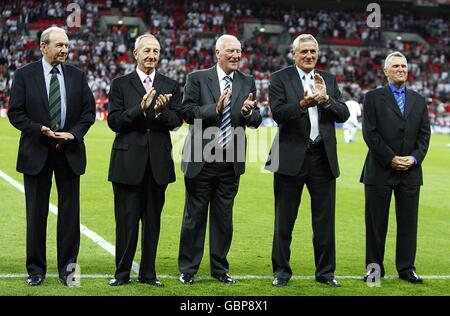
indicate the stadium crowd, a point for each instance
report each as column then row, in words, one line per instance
column 187, row 32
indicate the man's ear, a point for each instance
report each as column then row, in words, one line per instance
column 42, row 47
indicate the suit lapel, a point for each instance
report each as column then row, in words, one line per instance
column 157, row 84
column 236, row 88
column 409, row 102
column 68, row 83
column 213, row 83
column 294, row 78
column 390, row 101
column 40, row 82
column 137, row 84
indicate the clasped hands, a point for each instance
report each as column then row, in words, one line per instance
column 247, row 107
column 318, row 93
column 62, row 137
column 161, row 102
column 402, row 163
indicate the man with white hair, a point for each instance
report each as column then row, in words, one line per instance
column 53, row 107
column 218, row 104
column 306, row 103
column 396, row 129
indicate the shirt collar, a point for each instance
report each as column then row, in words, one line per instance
column 221, row 74
column 48, row 68
column 394, row 89
column 142, row 75
column 302, row 73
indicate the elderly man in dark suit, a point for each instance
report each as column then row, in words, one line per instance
column 141, row 113
column 53, row 107
column 218, row 103
column 396, row 130
column 305, row 104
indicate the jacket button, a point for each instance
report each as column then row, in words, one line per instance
column 148, row 131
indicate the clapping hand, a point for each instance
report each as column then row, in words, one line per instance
column 223, row 100
column 161, row 102
column 248, row 105
column 147, row 99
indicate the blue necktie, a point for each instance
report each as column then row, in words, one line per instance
column 399, row 98
column 225, row 124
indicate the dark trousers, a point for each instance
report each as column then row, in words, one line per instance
column 378, row 200
column 215, row 187
column 37, row 194
column 317, row 176
column 134, row 203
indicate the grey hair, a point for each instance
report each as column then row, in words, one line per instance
column 304, row 38
column 136, row 43
column 45, row 36
column 387, row 61
column 220, row 41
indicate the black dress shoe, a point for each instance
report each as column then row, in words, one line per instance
column 63, row 281
column 152, row 282
column 224, row 278
column 367, row 275
column 35, row 280
column 186, row 278
column 279, row 282
column 331, row 281
column 411, row 277
column 116, row 282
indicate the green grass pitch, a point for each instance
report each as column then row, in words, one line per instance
column 253, row 216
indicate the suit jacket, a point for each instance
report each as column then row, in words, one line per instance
column 29, row 111
column 140, row 138
column 388, row 133
column 201, row 94
column 289, row 147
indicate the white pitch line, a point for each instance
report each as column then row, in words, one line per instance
column 237, row 277
column 84, row 230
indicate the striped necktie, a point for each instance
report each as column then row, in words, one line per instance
column 225, row 124
column 54, row 101
column 399, row 98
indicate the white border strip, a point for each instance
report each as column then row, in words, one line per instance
column 84, row 230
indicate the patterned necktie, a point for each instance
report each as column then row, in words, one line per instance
column 225, row 124
column 399, row 98
column 147, row 84
column 54, row 101
column 313, row 113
